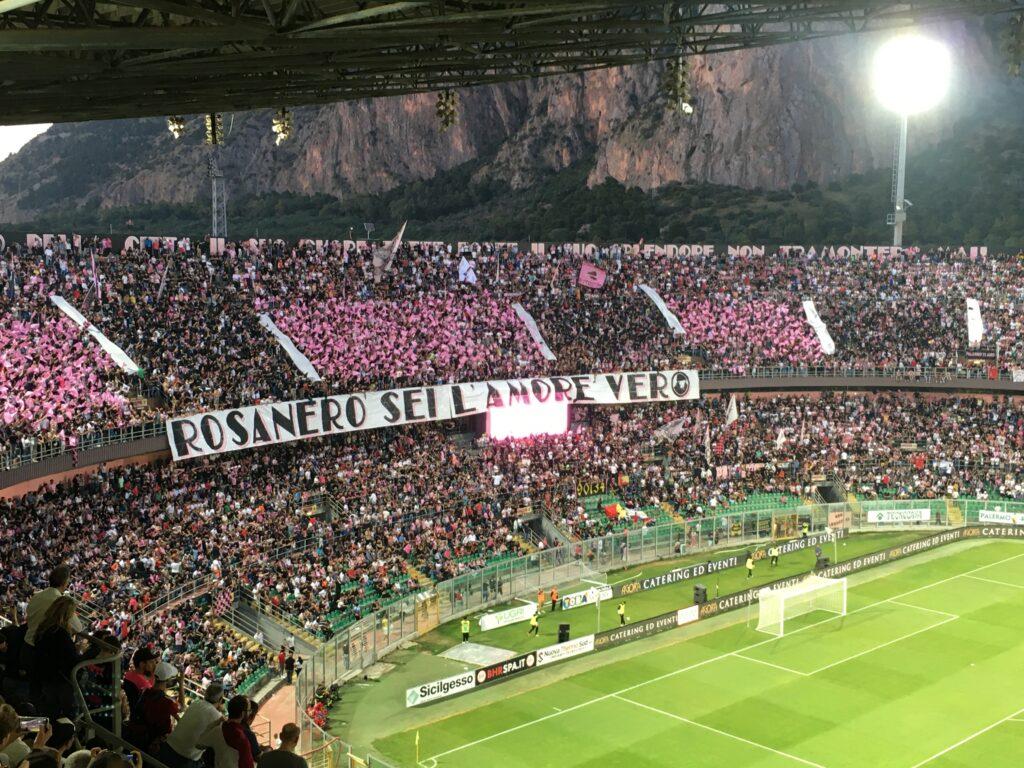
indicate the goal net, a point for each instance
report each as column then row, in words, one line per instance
column 815, row 593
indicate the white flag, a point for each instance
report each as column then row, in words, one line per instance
column 732, row 413
column 669, row 431
column 467, row 272
column 707, row 442
column 781, row 439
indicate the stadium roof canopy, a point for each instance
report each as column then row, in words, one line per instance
column 65, row 60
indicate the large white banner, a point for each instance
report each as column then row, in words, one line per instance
column 1000, row 517
column 534, row 331
column 975, row 325
column 440, row 689
column 668, row 314
column 252, row 426
column 828, row 346
column 508, row 616
column 294, row 353
column 118, row 355
column 918, row 515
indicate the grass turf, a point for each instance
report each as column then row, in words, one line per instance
column 653, row 602
column 926, row 669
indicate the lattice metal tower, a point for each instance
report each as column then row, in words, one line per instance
column 219, row 200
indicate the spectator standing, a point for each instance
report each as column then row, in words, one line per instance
column 55, row 657
column 230, row 745
column 289, row 668
column 284, row 756
column 140, row 677
column 157, row 712
column 254, row 744
column 181, row 750
column 36, row 610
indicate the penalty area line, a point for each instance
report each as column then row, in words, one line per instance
column 694, row 723
column 696, row 665
column 972, row 737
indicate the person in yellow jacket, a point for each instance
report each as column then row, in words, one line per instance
column 534, row 625
column 750, row 566
column 621, row 610
column 465, row 630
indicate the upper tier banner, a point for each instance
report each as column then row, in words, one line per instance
column 252, row 426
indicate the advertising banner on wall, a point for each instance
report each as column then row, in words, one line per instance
column 917, row 515
column 586, row 597
column 642, row 584
column 566, row 650
column 1000, row 517
column 238, row 429
column 506, row 617
column 439, row 689
column 506, row 669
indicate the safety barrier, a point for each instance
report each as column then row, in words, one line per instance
column 977, row 379
column 372, row 638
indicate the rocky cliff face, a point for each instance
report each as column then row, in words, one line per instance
column 765, row 118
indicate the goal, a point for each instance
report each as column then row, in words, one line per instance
column 815, row 593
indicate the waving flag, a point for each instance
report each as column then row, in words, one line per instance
column 591, row 276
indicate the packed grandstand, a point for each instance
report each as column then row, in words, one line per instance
column 325, row 533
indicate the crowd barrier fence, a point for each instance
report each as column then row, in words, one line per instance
column 33, row 451
column 365, row 642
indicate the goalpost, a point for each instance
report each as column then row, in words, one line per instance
column 815, row 593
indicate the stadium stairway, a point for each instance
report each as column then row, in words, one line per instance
column 954, row 512
column 855, row 505
column 421, row 578
column 527, row 546
column 247, row 620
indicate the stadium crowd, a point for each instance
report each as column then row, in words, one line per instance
column 191, row 321
column 399, row 513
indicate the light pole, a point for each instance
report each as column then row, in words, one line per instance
column 910, row 75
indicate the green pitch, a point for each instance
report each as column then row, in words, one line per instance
column 927, row 668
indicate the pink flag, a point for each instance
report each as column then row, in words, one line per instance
column 591, row 275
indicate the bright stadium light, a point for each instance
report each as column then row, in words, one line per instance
column 910, row 75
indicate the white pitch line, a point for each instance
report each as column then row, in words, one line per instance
column 966, row 739
column 720, row 733
column 929, row 610
column 770, row 664
column 996, row 581
column 681, row 670
column 881, row 645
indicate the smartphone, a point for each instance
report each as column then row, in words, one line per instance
column 32, row 723
column 129, row 757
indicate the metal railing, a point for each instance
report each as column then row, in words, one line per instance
column 370, row 639
column 912, row 373
column 35, row 451
column 32, row 450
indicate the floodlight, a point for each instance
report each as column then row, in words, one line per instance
column 911, row 74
